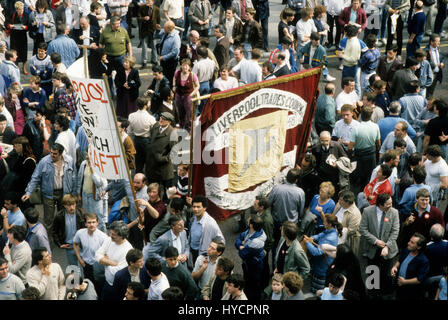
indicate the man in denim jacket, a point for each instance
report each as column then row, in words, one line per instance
column 56, row 175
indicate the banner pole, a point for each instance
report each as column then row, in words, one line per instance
column 119, row 138
column 86, row 62
column 200, row 98
column 190, row 166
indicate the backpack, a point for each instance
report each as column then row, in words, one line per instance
column 118, row 213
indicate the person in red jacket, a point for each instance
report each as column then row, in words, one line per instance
column 377, row 186
column 353, row 15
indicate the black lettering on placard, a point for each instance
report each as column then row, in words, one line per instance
column 101, row 144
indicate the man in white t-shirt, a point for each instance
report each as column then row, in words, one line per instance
column 348, row 95
column 159, row 282
column 112, row 254
column 343, row 127
column 86, row 242
column 225, row 82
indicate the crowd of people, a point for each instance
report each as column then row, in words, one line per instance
column 371, row 189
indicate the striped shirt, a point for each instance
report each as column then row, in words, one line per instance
column 11, row 288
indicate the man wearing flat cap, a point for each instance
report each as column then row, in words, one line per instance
column 159, row 167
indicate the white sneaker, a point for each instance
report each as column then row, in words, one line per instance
column 329, row 78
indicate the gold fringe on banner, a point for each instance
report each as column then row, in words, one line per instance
column 263, row 84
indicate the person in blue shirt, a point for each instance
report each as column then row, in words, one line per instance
column 369, row 61
column 334, row 289
column 442, row 291
column 250, row 246
column 322, row 203
column 388, row 123
column 11, row 215
column 425, row 74
column 319, row 260
column 411, row 269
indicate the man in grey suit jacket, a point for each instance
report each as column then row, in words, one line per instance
column 200, row 13
column 379, row 229
column 176, row 237
column 61, row 15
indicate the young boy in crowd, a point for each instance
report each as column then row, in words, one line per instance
column 334, row 289
column 41, row 66
column 276, row 290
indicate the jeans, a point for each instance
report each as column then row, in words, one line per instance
column 149, row 42
column 72, row 260
column 362, row 201
column 365, row 80
column 124, row 23
column 186, row 23
column 247, row 50
column 414, row 45
column 178, row 22
column 354, row 72
column 204, row 88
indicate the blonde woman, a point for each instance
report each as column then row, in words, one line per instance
column 322, row 203
column 127, row 82
column 18, row 26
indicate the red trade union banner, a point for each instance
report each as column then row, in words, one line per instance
column 250, row 137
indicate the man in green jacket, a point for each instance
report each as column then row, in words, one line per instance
column 290, row 256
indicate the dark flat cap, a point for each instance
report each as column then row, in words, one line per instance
column 167, row 116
